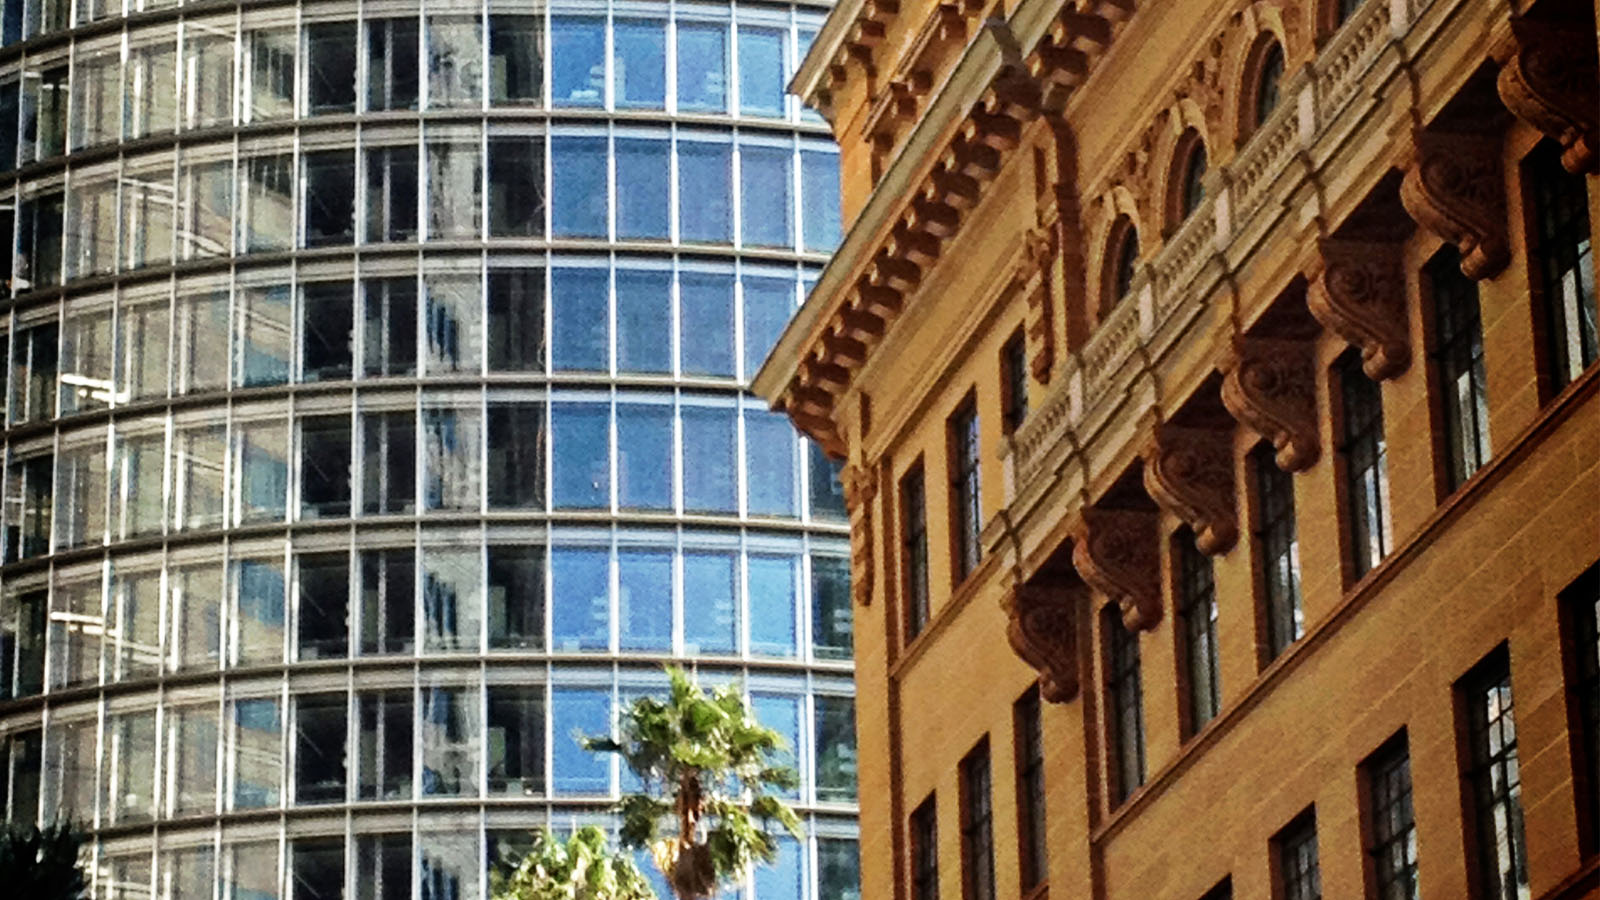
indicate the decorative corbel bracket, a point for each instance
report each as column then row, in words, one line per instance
column 1269, row 384
column 1455, row 188
column 1115, row 552
column 1043, row 631
column 1547, row 79
column 1358, row 291
column 860, row 489
column 1189, row 472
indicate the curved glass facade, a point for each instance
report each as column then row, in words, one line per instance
column 375, row 422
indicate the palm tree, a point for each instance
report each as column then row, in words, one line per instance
column 706, row 766
column 42, row 863
column 583, row 868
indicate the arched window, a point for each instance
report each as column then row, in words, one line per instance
column 1189, row 189
column 1269, row 73
column 1122, row 258
column 1343, row 10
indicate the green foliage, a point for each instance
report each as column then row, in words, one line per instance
column 583, row 868
column 42, row 863
column 706, row 766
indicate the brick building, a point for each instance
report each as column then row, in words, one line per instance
column 1219, row 401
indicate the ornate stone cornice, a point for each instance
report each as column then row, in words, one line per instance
column 1189, row 472
column 1269, row 384
column 1358, row 291
column 860, row 489
column 1454, row 187
column 1043, row 631
column 1115, row 552
column 1548, row 79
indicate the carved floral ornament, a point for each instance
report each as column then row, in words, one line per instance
column 860, row 489
column 1547, row 79
column 1189, row 472
column 1455, row 188
column 1043, row 632
column 1115, row 552
column 1269, row 384
column 1358, row 291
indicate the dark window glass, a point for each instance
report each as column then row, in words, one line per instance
column 579, row 301
column 1269, row 81
column 827, row 491
column 384, row 754
column 1032, row 822
column 702, row 67
column 711, row 484
column 1193, row 188
column 1197, row 608
column 516, row 740
column 1014, row 378
column 830, row 607
column 1458, row 360
column 706, row 306
column 710, row 610
column 383, row 867
column 35, row 366
column 1280, row 550
column 966, row 502
column 838, row 869
column 516, row 320
column 581, row 455
column 319, row 751
column 1125, row 697
column 39, row 236
column 1581, row 600
column 317, row 870
column 577, row 61
column 516, row 597
column 1298, row 870
column 9, row 108
column 914, row 535
column 26, row 760
column 819, row 185
column 331, row 47
column 1562, row 258
column 391, row 194
column 644, row 599
column 1493, row 780
column 388, row 601
column 581, row 580
column 703, row 177
column 644, row 321
column 643, row 189
column 1366, row 470
column 388, row 462
column 28, row 521
column 516, row 60
column 644, row 456
column 324, row 623
column 516, row 455
column 639, row 64
column 977, row 826
column 389, row 326
column 1392, row 843
column 1344, row 9
column 925, row 851
column 1126, row 267
column 327, row 332
column 325, row 467
column 27, row 646
column 765, row 190
column 516, row 188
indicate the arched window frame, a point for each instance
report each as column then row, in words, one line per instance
column 1263, row 76
column 1186, row 186
column 1121, row 264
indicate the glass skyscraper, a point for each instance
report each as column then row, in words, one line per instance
column 375, row 423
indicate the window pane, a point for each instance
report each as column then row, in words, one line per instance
column 454, row 320
column 384, row 752
column 263, row 325
column 644, row 321
column 324, row 606
column 772, row 604
column 644, row 456
column 581, row 587
column 577, row 65
column 450, row 865
column 830, row 607
column 389, row 326
column 146, row 341
column 516, row 456
column 768, row 303
column 712, row 482
column 199, row 457
column 578, row 165
column 819, row 177
column 254, row 872
column 258, row 611
column 706, row 305
column 516, row 741
column 455, row 61
column 581, row 477
column 703, row 176
column 643, row 189
column 770, row 461
column 134, row 645
column 383, row 867
column 388, row 601
column 761, row 71
column 75, row 630
column 781, row 879
column 327, row 331
column 455, row 190
column 764, row 189
column 319, row 750
column 838, row 869
column 827, row 494
column 578, row 316
column 208, row 81
column 325, row 467
column 271, row 71
column 639, row 64
column 391, row 194
column 450, row 740
column 516, row 187
column 129, row 767
column 702, row 67
column 644, row 599
column 782, row 714
column 330, row 198
column 147, row 216
column 452, row 599
column 205, row 209
column 836, row 749
column 257, row 754
column 316, row 869
column 91, row 247
column 389, row 462
column 516, row 320
column 332, row 67
column 267, row 193
column 392, row 48
column 710, row 611
column 192, row 742
column 195, row 616
column 262, row 468
column 80, row 497
column 516, row 60
column 516, row 597
column 580, row 711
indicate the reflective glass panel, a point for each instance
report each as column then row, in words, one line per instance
column 644, row 599
column 516, row 455
column 781, row 713
column 455, row 61
column 263, row 325
column 257, row 755
column 819, row 184
column 578, row 317
column 145, row 334
column 705, row 302
column 516, row 740
column 191, row 759
column 836, row 749
column 770, row 464
column 581, row 455
column 644, row 456
column 516, row 597
column 455, row 190
column 765, row 190
column 639, row 63
column 760, row 71
column 710, row 607
column 388, row 462
column 577, row 61
column 453, row 317
column 452, row 599
column 773, row 582
column 319, row 748
column 267, row 193
column 258, row 611
column 134, row 643
column 450, row 739
column 516, row 60
column 325, row 467
column 331, row 67
column 208, row 74
column 194, row 616
column 262, row 464
column 644, row 321
column 578, row 166
column 516, row 187
column 323, row 610
column 643, row 189
column 580, row 711
column 199, row 457
column 451, row 865
column 702, row 67
column 830, row 607
column 388, row 601
column 383, row 754
column 452, row 444
column 768, row 302
column 252, row 871
column 270, row 66
column 516, row 341
column 712, row 483
column 129, row 766
column 783, row 878
column 391, row 194
column 392, row 54
column 580, row 583
column 705, row 206
column 389, row 326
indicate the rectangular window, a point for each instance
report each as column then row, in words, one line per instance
column 392, row 52
column 263, row 323
column 455, row 61
column 712, row 483
column 516, row 187
column 1366, row 471
column 761, row 71
column 516, row 597
column 319, row 748
column 383, row 756
column 580, row 186
column 258, row 611
column 516, row 740
column 453, row 320
column 199, row 458
column 324, row 605
column 577, row 61
column 330, row 202
column 1279, row 551
column 914, row 538
column 704, row 173
column 966, row 503
column 516, row 435
column 831, row 609
column 25, row 759
column 191, row 759
column 205, row 209
column 389, row 462
column 580, row 476
column 639, row 64
column 35, row 365
column 257, row 754
column 702, row 67
column 711, row 623
column 836, row 749
column 644, row 321
column 91, row 242
column 580, row 305
column 389, row 326
column 391, row 194
column 1581, row 614
column 771, row 596
column 766, row 192
column 515, row 341
column 1295, row 855
column 768, row 303
column 147, row 216
column 455, row 190
column 450, row 739
column 1032, row 819
column 331, row 73
column 820, row 203
column 208, row 67
column 577, row 711
column 581, row 577
column 194, row 632
column 1457, row 356
column 39, row 242
column 644, row 181
column 327, row 330
column 1197, row 609
column 925, row 851
column 80, row 496
column 267, row 194
column 1125, row 705
column 1492, row 779
column 29, row 490
column 388, row 601
column 705, row 305
column 261, row 469
column 452, row 599
column 1014, row 382
column 644, row 456
column 644, row 599
column 46, row 129
column 325, row 467
column 96, row 98
column 1562, row 259
column 770, row 464
column 977, row 826
column 1392, row 830
column 383, row 866
column 128, row 764
column 269, row 68
column 516, row 60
